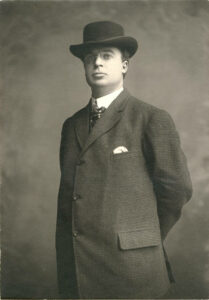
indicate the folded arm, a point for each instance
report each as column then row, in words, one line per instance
column 168, row 169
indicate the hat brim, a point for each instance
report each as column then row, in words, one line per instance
column 123, row 42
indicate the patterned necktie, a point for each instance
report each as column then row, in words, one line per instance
column 96, row 112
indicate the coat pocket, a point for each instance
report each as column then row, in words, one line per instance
column 139, row 239
column 128, row 154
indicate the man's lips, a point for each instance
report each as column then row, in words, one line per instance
column 99, row 74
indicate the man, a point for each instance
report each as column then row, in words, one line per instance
column 124, row 181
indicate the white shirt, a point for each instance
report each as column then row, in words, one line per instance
column 106, row 100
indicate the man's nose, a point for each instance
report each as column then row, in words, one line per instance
column 98, row 61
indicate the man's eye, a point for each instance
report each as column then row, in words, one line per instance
column 106, row 56
column 87, row 58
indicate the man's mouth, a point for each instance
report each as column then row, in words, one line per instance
column 98, row 74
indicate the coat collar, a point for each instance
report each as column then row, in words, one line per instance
column 110, row 118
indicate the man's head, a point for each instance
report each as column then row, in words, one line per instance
column 105, row 67
column 105, row 52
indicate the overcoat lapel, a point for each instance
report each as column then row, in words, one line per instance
column 110, row 118
column 82, row 125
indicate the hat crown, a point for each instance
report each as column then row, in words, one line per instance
column 103, row 34
column 98, row 31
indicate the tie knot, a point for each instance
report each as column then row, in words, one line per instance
column 95, row 108
column 96, row 112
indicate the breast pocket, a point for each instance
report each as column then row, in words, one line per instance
column 126, row 168
column 124, row 155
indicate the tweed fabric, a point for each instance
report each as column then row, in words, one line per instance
column 114, row 210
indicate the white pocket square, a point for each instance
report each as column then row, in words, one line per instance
column 120, row 149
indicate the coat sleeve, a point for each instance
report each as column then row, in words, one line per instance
column 64, row 246
column 63, row 203
column 168, row 169
column 63, row 142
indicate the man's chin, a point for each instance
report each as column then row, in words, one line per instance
column 97, row 84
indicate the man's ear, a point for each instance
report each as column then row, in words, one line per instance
column 125, row 66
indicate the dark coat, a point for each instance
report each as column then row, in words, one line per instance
column 114, row 210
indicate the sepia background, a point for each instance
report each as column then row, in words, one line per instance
column 43, row 84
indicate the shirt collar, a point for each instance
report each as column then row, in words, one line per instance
column 106, row 100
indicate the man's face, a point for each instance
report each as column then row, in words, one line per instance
column 104, row 68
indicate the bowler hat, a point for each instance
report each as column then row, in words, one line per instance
column 104, row 33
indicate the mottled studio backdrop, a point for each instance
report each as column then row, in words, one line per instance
column 43, row 84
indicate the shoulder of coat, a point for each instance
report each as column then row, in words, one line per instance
column 148, row 111
column 76, row 115
column 143, row 106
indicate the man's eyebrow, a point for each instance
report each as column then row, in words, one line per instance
column 107, row 50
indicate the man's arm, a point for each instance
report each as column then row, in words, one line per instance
column 63, row 141
column 168, row 169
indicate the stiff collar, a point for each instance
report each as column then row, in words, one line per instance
column 106, row 100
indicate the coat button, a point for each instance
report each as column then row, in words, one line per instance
column 80, row 162
column 75, row 233
column 76, row 197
